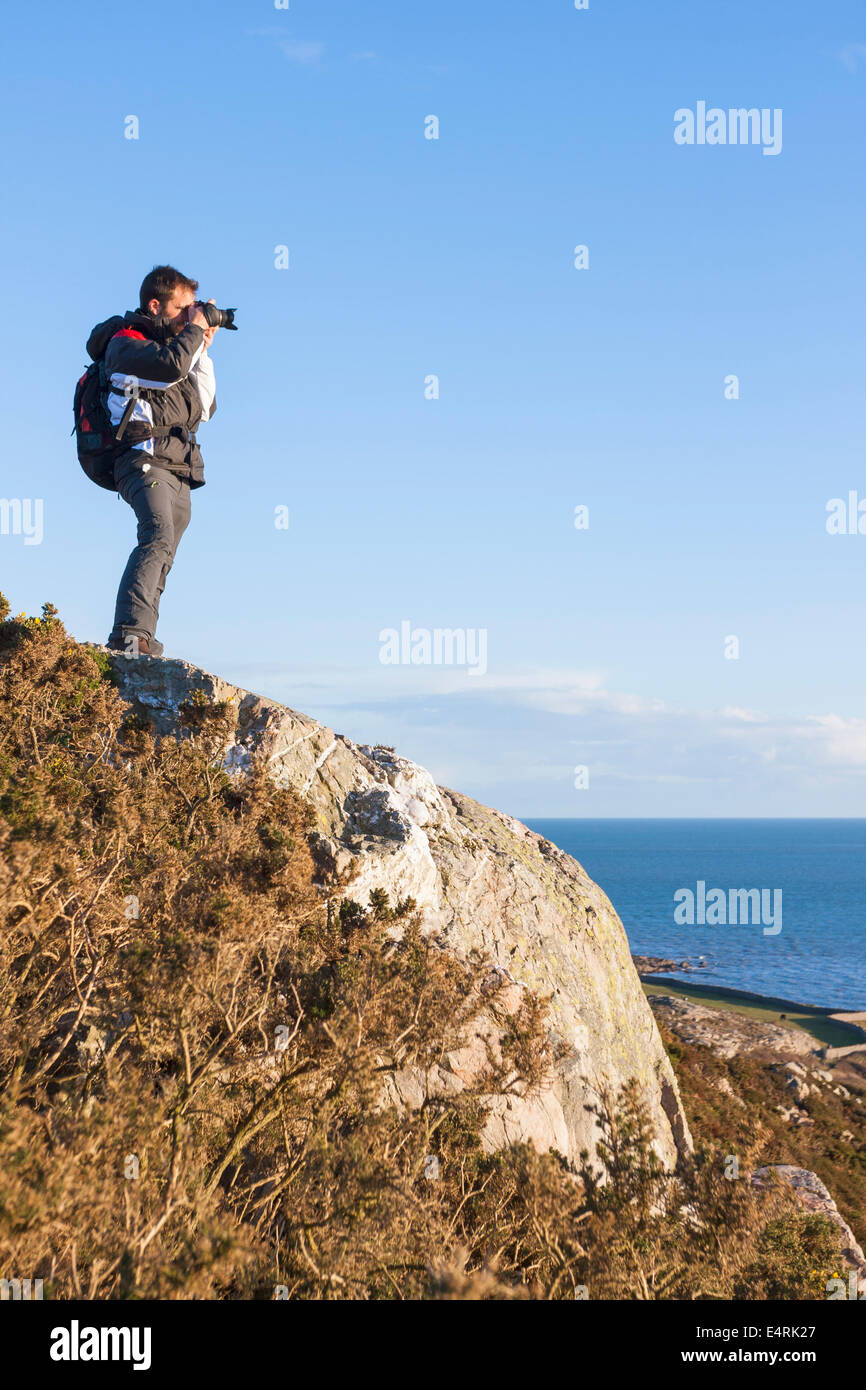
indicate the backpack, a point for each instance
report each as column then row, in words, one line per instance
column 99, row 442
column 95, row 437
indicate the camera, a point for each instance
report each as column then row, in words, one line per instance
column 218, row 318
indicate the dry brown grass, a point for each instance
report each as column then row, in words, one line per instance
column 195, row 1034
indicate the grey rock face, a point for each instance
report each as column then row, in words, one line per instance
column 481, row 878
column 813, row 1196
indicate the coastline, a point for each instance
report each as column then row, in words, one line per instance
column 838, row 1030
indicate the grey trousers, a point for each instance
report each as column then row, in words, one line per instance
column 161, row 504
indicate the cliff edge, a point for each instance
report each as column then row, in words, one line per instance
column 481, row 878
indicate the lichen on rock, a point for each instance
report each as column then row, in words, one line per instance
column 480, row 878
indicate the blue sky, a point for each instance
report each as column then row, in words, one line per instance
column 305, row 127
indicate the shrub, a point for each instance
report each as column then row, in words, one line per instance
column 197, row 1036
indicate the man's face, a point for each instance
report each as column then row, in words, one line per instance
column 175, row 308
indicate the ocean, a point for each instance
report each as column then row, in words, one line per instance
column 818, row 866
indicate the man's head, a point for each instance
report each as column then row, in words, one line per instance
column 166, row 294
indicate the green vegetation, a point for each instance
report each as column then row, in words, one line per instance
column 817, row 1022
column 745, row 1119
column 200, row 1043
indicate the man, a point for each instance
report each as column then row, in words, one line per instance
column 161, row 380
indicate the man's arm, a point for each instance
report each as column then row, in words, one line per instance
column 129, row 353
column 203, row 375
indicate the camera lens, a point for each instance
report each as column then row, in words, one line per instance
column 218, row 318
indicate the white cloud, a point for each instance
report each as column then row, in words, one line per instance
column 851, row 55
column 844, row 740
column 748, row 716
column 302, row 51
column 514, row 738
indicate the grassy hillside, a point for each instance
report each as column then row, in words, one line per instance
column 196, row 1033
column 816, row 1022
column 733, row 1103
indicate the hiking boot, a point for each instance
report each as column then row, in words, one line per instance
column 147, row 646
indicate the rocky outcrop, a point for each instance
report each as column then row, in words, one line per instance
column 481, row 878
column 813, row 1197
column 664, row 965
column 728, row 1033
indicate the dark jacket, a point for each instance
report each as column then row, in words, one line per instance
column 174, row 376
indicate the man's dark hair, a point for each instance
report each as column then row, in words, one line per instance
column 161, row 283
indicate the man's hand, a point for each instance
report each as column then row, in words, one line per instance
column 196, row 316
column 209, row 332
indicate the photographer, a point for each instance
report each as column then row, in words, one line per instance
column 160, row 385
